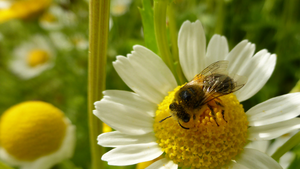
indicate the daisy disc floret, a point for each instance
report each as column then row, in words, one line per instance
column 207, row 141
column 35, row 135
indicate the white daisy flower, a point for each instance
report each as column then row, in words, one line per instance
column 35, row 135
column 119, row 7
column 61, row 41
column 218, row 142
column 32, row 57
column 56, row 18
column 269, row 147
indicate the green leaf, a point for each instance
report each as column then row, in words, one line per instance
column 148, row 25
column 66, row 164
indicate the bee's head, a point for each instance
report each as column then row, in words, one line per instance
column 179, row 112
column 186, row 94
column 190, row 97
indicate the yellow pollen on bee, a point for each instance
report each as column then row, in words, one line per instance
column 211, row 143
column 37, row 57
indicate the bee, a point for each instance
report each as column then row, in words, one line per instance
column 203, row 91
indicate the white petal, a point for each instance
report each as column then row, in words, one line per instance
column 275, row 110
column 217, row 49
column 286, row 159
column 163, row 164
column 278, row 142
column 258, row 69
column 233, row 165
column 191, row 48
column 117, row 139
column 126, row 112
column 132, row 154
column 260, row 145
column 146, row 74
column 271, row 131
column 131, row 99
column 239, row 56
column 255, row 159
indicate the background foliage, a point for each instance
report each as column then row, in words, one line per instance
column 270, row 24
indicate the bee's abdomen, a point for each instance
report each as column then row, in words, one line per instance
column 219, row 83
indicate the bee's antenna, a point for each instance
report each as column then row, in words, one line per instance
column 165, row 119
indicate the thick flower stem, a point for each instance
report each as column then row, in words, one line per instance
column 160, row 10
column 220, row 18
column 98, row 36
column 287, row 146
column 174, row 39
column 173, row 32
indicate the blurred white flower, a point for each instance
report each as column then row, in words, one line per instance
column 56, row 18
column 80, row 42
column 32, row 57
column 4, row 4
column 35, row 135
column 119, row 7
column 61, row 41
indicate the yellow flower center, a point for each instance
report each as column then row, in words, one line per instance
column 31, row 130
column 23, row 9
column 209, row 142
column 48, row 17
column 37, row 57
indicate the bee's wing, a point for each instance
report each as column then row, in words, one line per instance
column 239, row 81
column 211, row 92
column 216, row 67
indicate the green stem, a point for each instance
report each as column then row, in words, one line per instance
column 288, row 18
column 174, row 39
column 160, row 10
column 98, row 36
column 287, row 146
column 296, row 88
column 148, row 25
column 220, row 18
column 268, row 6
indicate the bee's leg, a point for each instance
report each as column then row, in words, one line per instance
column 219, row 104
column 223, row 111
column 213, row 114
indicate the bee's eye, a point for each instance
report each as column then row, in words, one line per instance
column 186, row 118
column 185, row 95
column 172, row 106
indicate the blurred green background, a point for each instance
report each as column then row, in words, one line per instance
column 270, row 24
